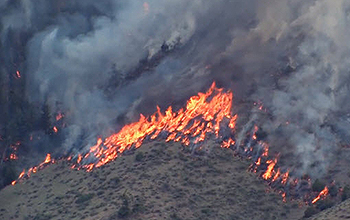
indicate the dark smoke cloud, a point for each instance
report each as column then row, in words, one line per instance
column 99, row 61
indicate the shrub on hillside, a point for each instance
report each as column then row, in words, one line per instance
column 318, row 186
column 346, row 193
column 139, row 157
column 310, row 211
column 82, row 198
column 8, row 174
column 325, row 204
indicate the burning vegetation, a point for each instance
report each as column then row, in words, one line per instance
column 107, row 60
column 206, row 116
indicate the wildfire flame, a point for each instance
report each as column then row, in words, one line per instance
column 47, row 160
column 322, row 194
column 202, row 116
column 13, row 156
column 18, row 74
column 268, row 174
column 205, row 115
column 59, row 116
column 20, row 176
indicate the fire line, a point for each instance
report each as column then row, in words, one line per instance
column 206, row 115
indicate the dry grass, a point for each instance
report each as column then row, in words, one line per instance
column 338, row 212
column 159, row 181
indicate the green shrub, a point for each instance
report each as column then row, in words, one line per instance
column 333, row 191
column 174, row 216
column 318, row 186
column 42, row 216
column 310, row 212
column 124, row 211
column 324, row 204
column 346, row 193
column 8, row 174
column 138, row 207
column 139, row 157
column 115, row 181
column 82, row 198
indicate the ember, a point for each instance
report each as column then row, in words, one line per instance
column 59, row 116
column 18, row 74
column 13, row 156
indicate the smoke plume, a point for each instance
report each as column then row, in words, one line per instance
column 105, row 62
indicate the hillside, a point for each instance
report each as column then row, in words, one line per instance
column 158, row 181
column 338, row 212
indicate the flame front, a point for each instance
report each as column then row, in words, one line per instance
column 202, row 116
column 205, row 115
column 31, row 170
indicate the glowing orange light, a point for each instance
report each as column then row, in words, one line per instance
column 266, row 150
column 268, row 174
column 276, row 175
column 59, row 116
column 285, row 178
column 79, row 158
column 145, row 7
column 258, row 162
column 284, row 197
column 13, row 156
column 322, row 194
column 203, row 115
column 48, row 158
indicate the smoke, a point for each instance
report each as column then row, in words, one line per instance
column 312, row 98
column 103, row 61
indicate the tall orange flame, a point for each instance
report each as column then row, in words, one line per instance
column 202, row 116
column 48, row 158
column 268, row 174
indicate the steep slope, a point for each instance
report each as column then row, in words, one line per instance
column 338, row 212
column 158, row 181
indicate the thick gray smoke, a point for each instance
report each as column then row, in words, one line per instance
column 103, row 60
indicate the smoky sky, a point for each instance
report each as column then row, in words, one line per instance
column 292, row 55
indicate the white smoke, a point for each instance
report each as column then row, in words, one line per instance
column 293, row 55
